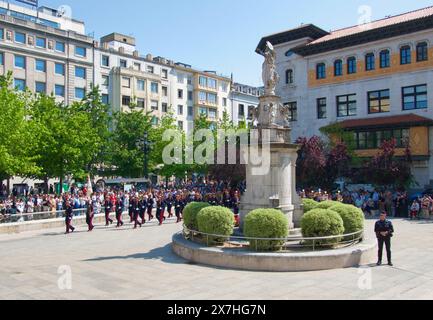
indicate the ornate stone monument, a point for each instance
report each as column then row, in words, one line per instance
column 275, row 187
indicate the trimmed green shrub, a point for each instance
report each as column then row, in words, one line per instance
column 327, row 204
column 190, row 213
column 353, row 218
column 266, row 223
column 309, row 204
column 216, row 220
column 322, row 223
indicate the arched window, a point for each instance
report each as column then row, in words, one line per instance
column 385, row 61
column 320, row 71
column 422, row 51
column 338, row 68
column 289, row 76
column 405, row 55
column 369, row 62
column 351, row 65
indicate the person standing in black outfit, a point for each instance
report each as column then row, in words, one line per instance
column 108, row 208
column 69, row 213
column 179, row 204
column 119, row 212
column 384, row 231
column 136, row 211
column 143, row 207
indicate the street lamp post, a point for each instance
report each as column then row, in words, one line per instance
column 146, row 155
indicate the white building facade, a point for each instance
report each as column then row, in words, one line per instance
column 375, row 80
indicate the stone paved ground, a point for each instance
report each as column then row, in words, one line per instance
column 128, row 264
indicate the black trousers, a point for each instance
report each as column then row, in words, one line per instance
column 387, row 242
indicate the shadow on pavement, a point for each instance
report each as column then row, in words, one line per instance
column 163, row 254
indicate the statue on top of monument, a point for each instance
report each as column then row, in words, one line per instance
column 270, row 75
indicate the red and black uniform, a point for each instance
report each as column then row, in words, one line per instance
column 160, row 208
column 169, row 203
column 136, row 212
column 150, row 203
column 179, row 204
column 89, row 216
column 143, row 207
column 119, row 212
column 69, row 213
column 108, row 209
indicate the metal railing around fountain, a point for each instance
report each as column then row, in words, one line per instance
column 292, row 243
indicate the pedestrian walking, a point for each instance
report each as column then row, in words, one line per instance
column 384, row 231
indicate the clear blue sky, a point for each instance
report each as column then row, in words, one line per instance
column 219, row 35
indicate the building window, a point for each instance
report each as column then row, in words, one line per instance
column 338, row 68
column 20, row 84
column 60, row 69
column 293, row 111
column 212, row 98
column 405, row 55
column 289, row 76
column 190, row 95
column 20, row 37
column 140, row 85
column 180, row 125
column 180, row 94
column 105, row 61
column 41, row 65
column 321, row 71
column 321, row 108
column 20, row 62
column 251, row 112
column 126, row 101
column 378, row 101
column 211, row 83
column 164, row 91
column 351, row 65
column 154, row 87
column 2, row 59
column 2, row 33
column 385, row 60
column 150, row 69
column 164, row 73
column 155, row 121
column 80, row 51
column 137, row 66
column 60, row 46
column 126, row 82
column 415, row 97
column 123, row 63
column 346, row 105
column 241, row 113
column 180, row 110
column 202, row 81
column 202, row 97
column 164, row 107
column 224, row 102
column 59, row 90
column 80, row 72
column 190, row 111
column 422, row 52
column 41, row 42
column 374, row 139
column 212, row 114
column 140, row 103
column 104, row 99
column 202, row 111
column 80, row 93
column 189, row 80
column 40, row 87
column 370, row 63
column 105, row 81
column 154, row 105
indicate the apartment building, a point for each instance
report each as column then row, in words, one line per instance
column 45, row 51
column 244, row 99
column 375, row 80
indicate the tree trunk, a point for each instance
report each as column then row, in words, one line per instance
column 46, row 185
column 8, row 186
column 61, row 185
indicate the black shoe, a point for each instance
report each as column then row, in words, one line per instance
column 390, row 264
column 379, row 263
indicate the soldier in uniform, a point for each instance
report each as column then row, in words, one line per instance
column 89, row 216
column 108, row 209
column 143, row 207
column 179, row 204
column 136, row 211
column 227, row 201
column 384, row 231
column 150, row 202
column 212, row 200
column 169, row 203
column 131, row 209
column 69, row 213
column 160, row 208
column 119, row 212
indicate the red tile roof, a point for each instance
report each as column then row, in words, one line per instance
column 400, row 120
column 386, row 22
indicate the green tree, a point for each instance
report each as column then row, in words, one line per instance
column 127, row 157
column 16, row 135
column 65, row 139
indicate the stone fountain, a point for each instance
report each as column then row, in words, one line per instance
column 275, row 187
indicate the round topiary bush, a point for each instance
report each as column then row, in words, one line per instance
column 353, row 218
column 309, row 204
column 216, row 220
column 266, row 223
column 327, row 204
column 322, row 223
column 190, row 213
